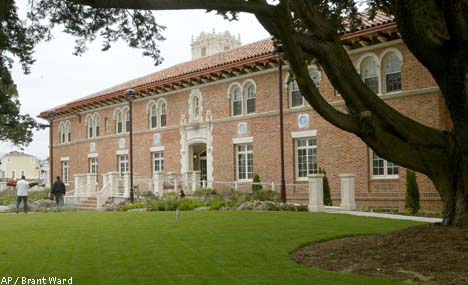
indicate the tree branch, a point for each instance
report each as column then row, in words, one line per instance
column 223, row 5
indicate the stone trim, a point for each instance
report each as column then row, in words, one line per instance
column 157, row 148
column 304, row 134
column 242, row 140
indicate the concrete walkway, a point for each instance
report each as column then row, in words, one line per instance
column 337, row 210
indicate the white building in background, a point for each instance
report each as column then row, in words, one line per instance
column 15, row 164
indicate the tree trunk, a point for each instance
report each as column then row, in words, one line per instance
column 452, row 185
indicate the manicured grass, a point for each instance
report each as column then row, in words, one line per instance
column 153, row 248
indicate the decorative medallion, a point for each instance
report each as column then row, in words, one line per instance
column 122, row 143
column 242, row 128
column 157, row 139
column 303, row 121
column 92, row 147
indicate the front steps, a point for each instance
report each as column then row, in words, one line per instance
column 89, row 204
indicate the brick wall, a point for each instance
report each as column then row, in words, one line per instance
column 338, row 152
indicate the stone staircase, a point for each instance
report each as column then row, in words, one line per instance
column 88, row 205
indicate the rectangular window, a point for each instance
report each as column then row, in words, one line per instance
column 158, row 161
column 372, row 83
column 296, row 97
column 123, row 164
column 97, row 130
column 163, row 120
column 237, row 108
column 13, row 174
column 250, row 105
column 127, row 125
column 306, row 157
column 154, row 121
column 244, row 154
column 66, row 172
column 93, row 165
column 22, row 173
column 382, row 168
column 90, row 133
column 393, row 82
column 119, row 127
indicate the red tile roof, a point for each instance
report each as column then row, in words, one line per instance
column 240, row 54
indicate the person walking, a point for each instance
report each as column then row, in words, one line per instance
column 58, row 189
column 22, row 188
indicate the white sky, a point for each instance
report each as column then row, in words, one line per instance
column 58, row 77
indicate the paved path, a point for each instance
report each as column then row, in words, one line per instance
column 337, row 210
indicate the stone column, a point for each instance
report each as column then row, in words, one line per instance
column 316, row 193
column 91, row 184
column 348, row 200
column 158, row 183
column 126, row 176
column 196, row 178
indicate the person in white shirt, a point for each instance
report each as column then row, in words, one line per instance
column 22, row 188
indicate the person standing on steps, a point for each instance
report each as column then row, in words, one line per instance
column 22, row 188
column 58, row 189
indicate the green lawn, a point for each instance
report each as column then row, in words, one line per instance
column 153, row 248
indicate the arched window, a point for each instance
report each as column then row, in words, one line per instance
column 296, row 97
column 316, row 75
column 62, row 133
column 96, row 124
column 370, row 74
column 162, row 113
column 118, row 122
column 392, row 72
column 68, row 131
column 250, row 94
column 236, row 97
column 196, row 106
column 153, row 116
column 127, row 120
column 90, row 126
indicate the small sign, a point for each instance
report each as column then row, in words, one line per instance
column 303, row 121
column 92, row 147
column 242, row 128
column 157, row 139
column 122, row 143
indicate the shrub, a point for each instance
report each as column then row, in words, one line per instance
column 164, row 205
column 127, row 207
column 266, row 195
column 204, row 193
column 232, row 195
column 217, row 204
column 327, row 201
column 256, row 187
column 412, row 192
column 190, row 204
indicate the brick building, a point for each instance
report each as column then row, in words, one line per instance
column 217, row 116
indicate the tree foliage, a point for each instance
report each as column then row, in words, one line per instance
column 435, row 31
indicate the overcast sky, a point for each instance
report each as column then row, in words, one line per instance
column 58, row 77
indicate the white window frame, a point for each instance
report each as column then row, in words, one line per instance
column 195, row 105
column 126, row 116
column 244, row 152
column 158, row 156
column 13, row 174
column 384, row 59
column 296, row 155
column 385, row 167
column 162, row 110
column 93, row 165
column 119, row 119
column 66, row 172
column 315, row 75
column 122, row 164
column 232, row 88
column 247, row 95
column 153, row 112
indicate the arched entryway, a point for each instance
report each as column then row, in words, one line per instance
column 198, row 161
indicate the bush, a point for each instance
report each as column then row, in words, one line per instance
column 271, row 206
column 9, row 196
column 232, row 195
column 327, row 201
column 412, row 192
column 164, row 205
column 204, row 193
column 266, row 195
column 256, row 187
column 190, row 204
column 127, row 207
